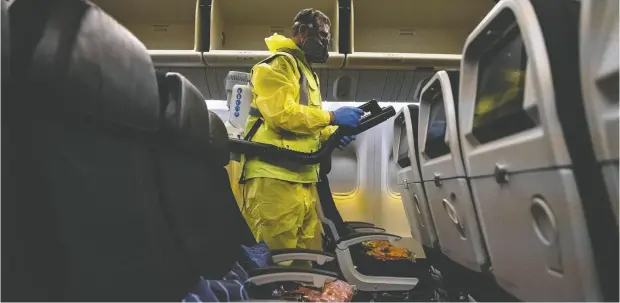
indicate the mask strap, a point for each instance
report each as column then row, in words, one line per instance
column 310, row 26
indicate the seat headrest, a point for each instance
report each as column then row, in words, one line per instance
column 455, row 79
column 218, row 135
column 88, row 65
column 418, row 90
column 195, row 128
column 185, row 112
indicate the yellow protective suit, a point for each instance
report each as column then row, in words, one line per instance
column 281, row 213
column 287, row 123
column 234, row 171
column 280, row 200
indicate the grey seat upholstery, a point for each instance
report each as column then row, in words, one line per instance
column 89, row 219
column 192, row 180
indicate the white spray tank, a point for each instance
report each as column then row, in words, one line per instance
column 238, row 99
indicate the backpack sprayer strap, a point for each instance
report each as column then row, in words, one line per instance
column 254, row 112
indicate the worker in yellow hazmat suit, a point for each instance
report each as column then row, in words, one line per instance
column 279, row 196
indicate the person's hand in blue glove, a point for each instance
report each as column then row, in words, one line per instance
column 346, row 140
column 347, row 116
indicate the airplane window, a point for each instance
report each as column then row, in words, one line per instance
column 403, row 148
column 499, row 98
column 392, row 177
column 343, row 177
column 436, row 133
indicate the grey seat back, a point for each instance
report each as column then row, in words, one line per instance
column 529, row 156
column 6, row 43
column 444, row 176
column 89, row 218
column 411, row 186
column 599, row 68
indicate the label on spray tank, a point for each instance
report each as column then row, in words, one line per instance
column 241, row 98
column 238, row 102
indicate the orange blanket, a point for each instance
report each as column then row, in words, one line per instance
column 384, row 251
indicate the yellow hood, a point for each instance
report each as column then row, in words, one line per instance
column 276, row 42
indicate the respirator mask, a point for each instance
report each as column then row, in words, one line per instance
column 315, row 46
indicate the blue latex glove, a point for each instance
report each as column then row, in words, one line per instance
column 348, row 116
column 346, row 140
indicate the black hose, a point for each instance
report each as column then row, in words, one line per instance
column 275, row 153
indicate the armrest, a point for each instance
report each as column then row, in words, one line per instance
column 370, row 229
column 358, row 224
column 271, row 274
column 288, row 254
column 356, row 238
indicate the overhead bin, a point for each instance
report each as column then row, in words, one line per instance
column 599, row 81
column 239, row 28
column 167, row 28
column 159, row 24
column 400, row 61
column 525, row 146
column 404, row 34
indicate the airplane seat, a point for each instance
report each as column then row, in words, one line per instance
column 6, row 41
column 539, row 194
column 13, row 270
column 89, row 219
column 336, row 225
column 366, row 272
column 190, row 157
column 409, row 178
column 218, row 224
column 410, row 184
column 432, row 252
column 447, row 275
column 332, row 213
column 598, row 39
column 455, row 81
column 193, row 181
column 414, row 197
column 366, row 265
column 444, row 176
column 22, row 268
column 465, row 268
column 478, row 286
